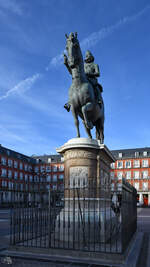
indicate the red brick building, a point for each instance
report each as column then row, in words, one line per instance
column 134, row 166
column 19, row 173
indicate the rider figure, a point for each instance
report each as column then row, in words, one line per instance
column 92, row 72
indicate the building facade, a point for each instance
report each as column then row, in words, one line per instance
column 20, row 173
column 134, row 166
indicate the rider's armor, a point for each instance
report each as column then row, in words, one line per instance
column 92, row 72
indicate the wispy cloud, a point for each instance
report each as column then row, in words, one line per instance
column 103, row 33
column 12, row 6
column 22, row 86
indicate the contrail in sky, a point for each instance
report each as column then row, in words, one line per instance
column 103, row 33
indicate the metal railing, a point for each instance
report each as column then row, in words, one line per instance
column 79, row 218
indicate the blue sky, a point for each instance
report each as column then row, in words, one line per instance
column 34, row 82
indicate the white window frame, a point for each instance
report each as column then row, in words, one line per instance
column 54, row 177
column 136, row 185
column 145, row 174
column 128, row 175
column 15, row 164
column 9, row 174
column 136, row 174
column 145, row 163
column 48, row 178
column 144, row 153
column 145, row 186
column 55, row 168
column 10, row 163
column 15, row 175
column 126, row 163
column 3, row 161
column 120, row 163
column 61, row 176
column 119, row 175
column 112, row 165
column 136, row 164
column 3, row 172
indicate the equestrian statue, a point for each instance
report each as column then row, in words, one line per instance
column 85, row 98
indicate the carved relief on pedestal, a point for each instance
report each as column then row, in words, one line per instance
column 78, row 177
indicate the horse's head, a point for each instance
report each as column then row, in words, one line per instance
column 73, row 50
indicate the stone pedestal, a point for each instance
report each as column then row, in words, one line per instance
column 87, row 210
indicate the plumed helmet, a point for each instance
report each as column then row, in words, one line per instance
column 89, row 57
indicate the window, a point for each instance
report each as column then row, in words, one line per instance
column 4, row 172
column 15, row 175
column 112, row 187
column 54, row 178
column 136, row 154
column 145, row 163
column 48, row 168
column 4, row 183
column 21, row 166
column 26, row 167
column 120, row 155
column 10, row 185
column 145, row 153
column 29, row 168
column 55, row 168
column 136, row 185
column 54, row 187
column 10, row 163
column 21, row 175
column 48, row 186
column 137, row 175
column 145, row 186
column 145, row 174
column 128, row 164
column 26, row 177
column 9, row 174
column 49, row 160
column 3, row 161
column 42, row 168
column 61, row 176
column 112, row 165
column 119, row 175
column 36, row 169
column 136, row 164
column 120, row 164
column 128, row 175
column 30, row 178
column 21, row 187
column 15, row 164
column 61, row 168
column 48, row 178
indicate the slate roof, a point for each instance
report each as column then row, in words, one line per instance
column 131, row 153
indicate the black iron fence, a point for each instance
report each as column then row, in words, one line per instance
column 88, row 218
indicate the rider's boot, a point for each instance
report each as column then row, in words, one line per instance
column 67, row 106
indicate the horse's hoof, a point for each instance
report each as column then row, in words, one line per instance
column 89, row 125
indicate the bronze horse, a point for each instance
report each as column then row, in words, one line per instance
column 81, row 93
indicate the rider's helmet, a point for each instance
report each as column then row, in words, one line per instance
column 89, row 57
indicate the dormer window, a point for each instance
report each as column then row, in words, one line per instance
column 136, row 154
column 145, row 153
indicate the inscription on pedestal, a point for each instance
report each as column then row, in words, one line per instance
column 78, row 177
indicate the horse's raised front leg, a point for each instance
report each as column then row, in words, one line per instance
column 76, row 121
column 85, row 109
